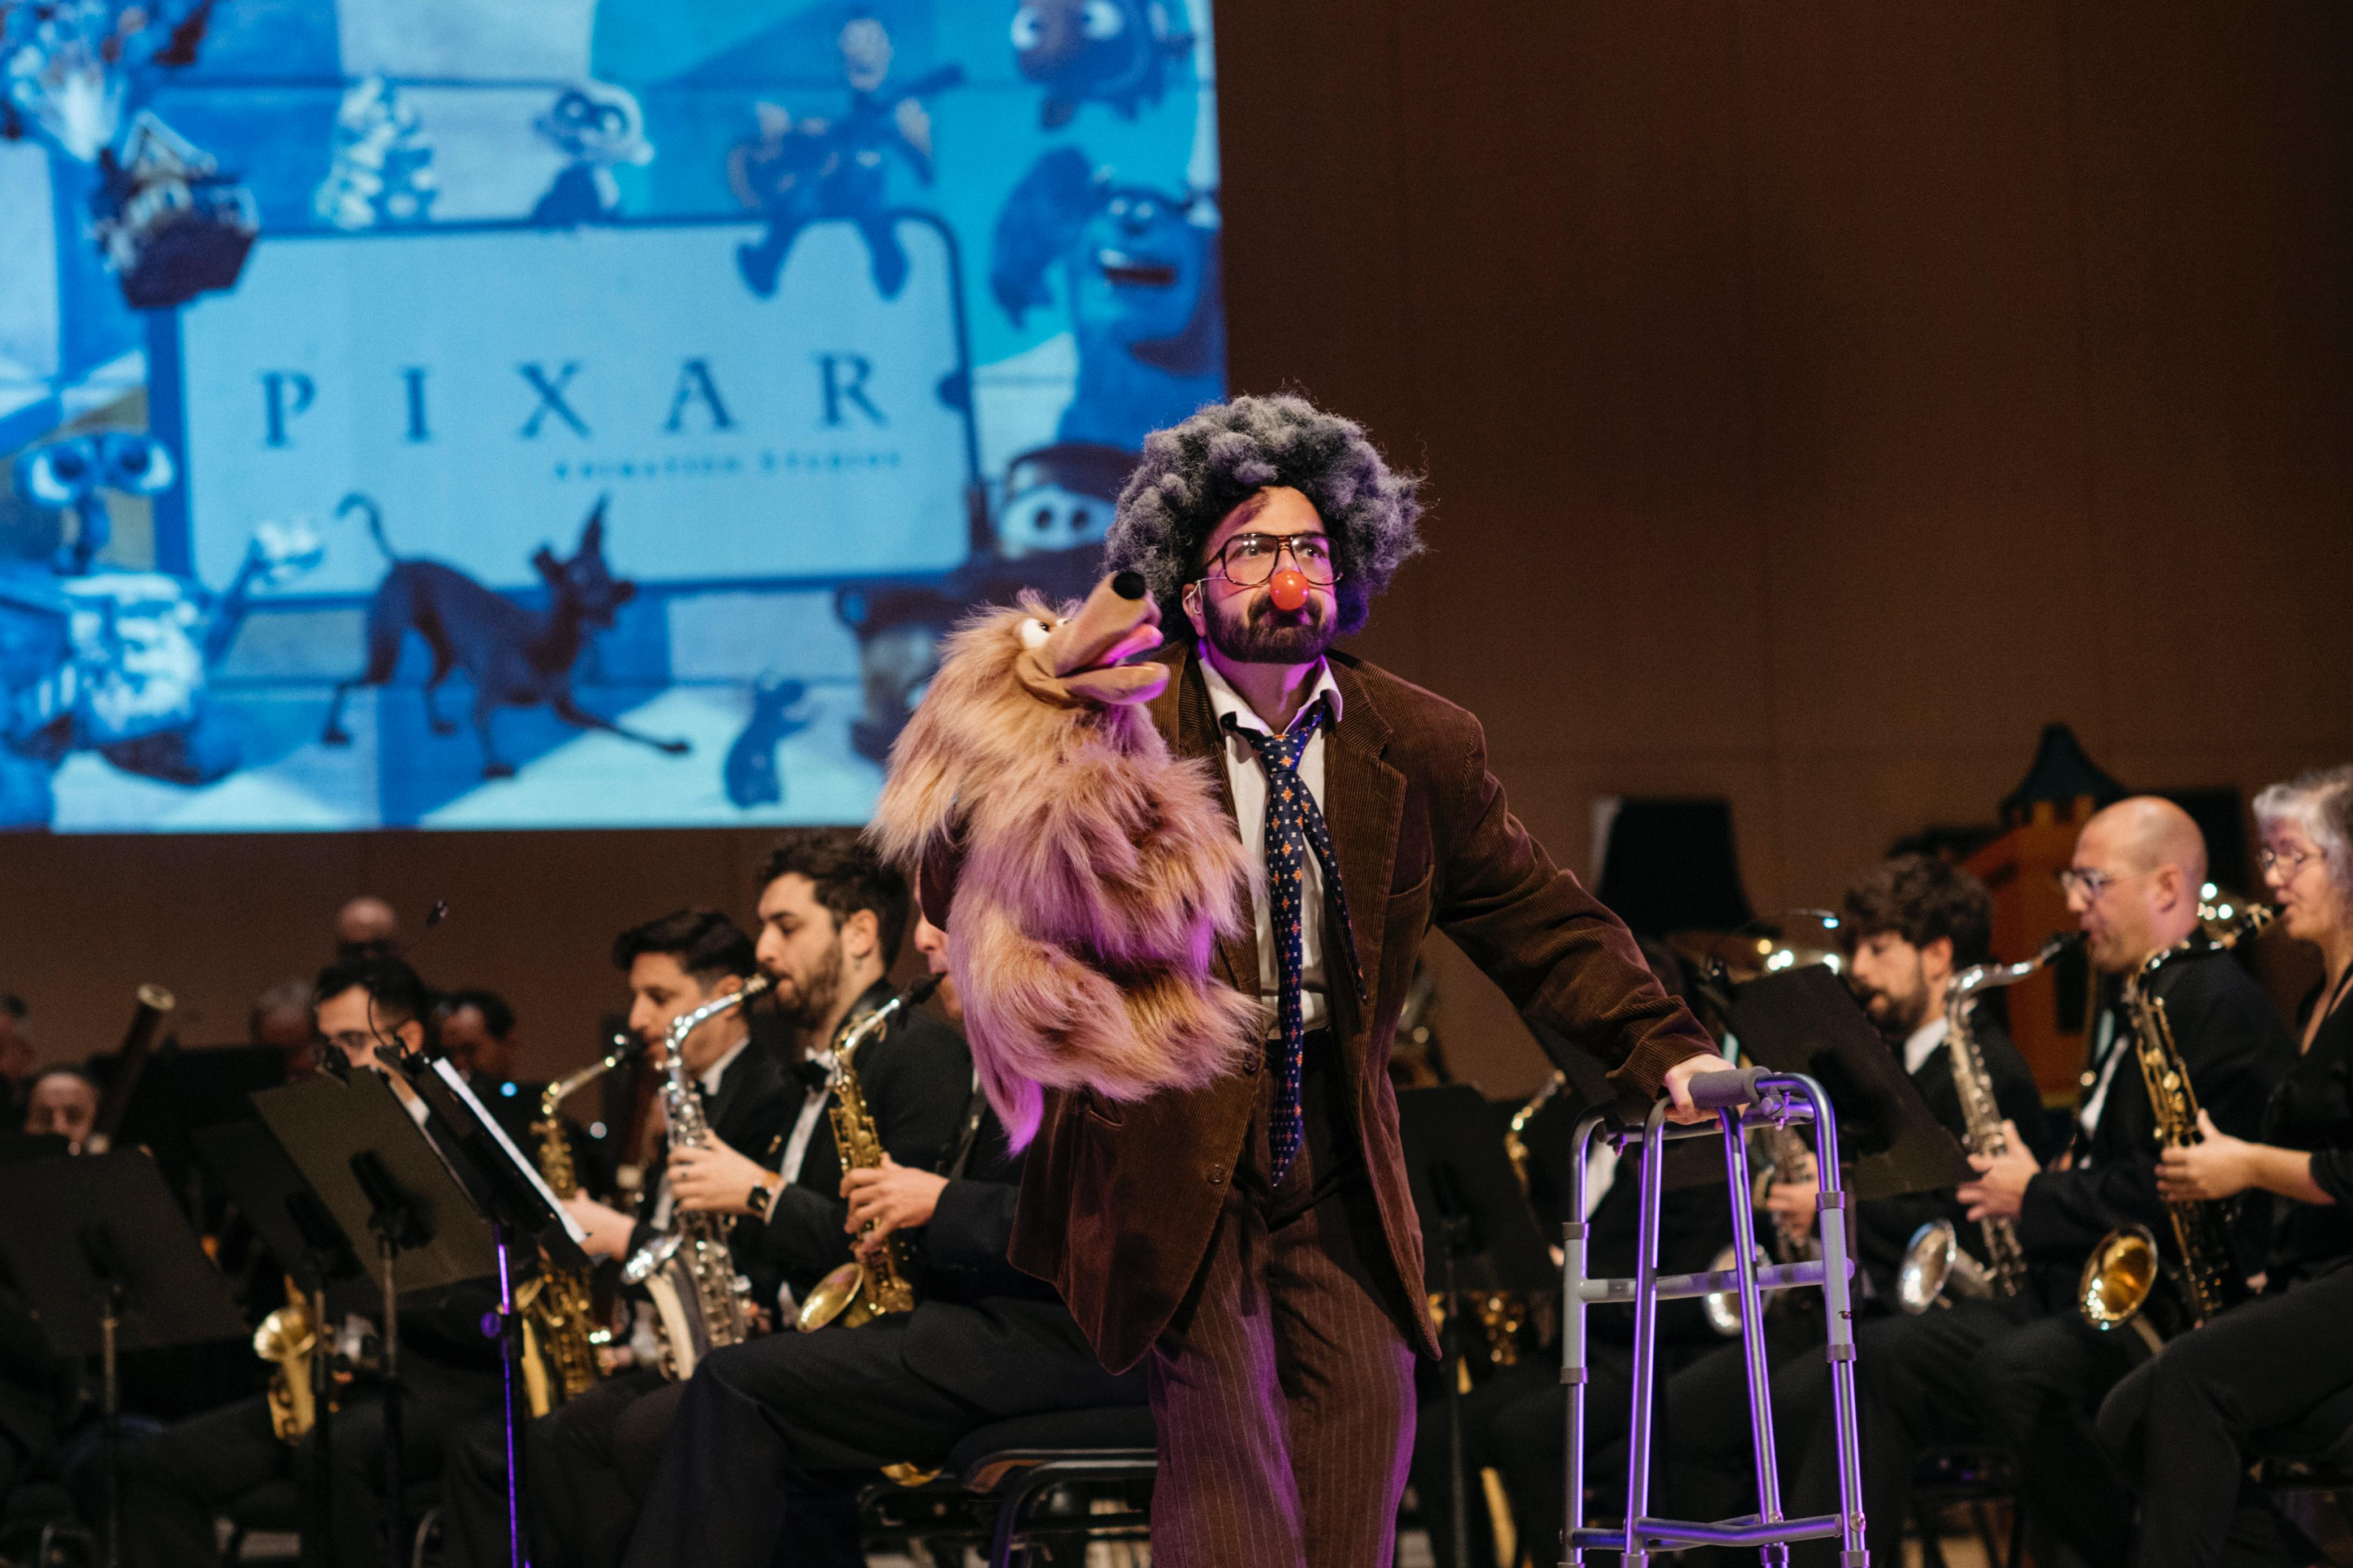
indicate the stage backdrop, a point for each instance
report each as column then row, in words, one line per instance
column 578, row 414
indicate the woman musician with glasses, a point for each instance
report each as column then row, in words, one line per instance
column 2180, row 1426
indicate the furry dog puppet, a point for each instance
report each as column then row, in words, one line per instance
column 1085, row 873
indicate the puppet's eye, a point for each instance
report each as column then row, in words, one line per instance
column 1034, row 633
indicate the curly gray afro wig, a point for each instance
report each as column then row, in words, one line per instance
column 1195, row 473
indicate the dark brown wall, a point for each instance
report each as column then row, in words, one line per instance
column 1816, row 399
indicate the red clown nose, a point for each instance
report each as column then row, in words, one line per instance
column 1289, row 589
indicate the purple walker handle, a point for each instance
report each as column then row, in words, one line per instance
column 1726, row 1089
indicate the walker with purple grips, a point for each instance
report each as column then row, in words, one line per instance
column 1774, row 1098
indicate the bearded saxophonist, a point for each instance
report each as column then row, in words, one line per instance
column 803, row 1421
column 832, row 922
column 675, row 965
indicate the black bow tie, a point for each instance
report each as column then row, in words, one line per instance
column 815, row 1076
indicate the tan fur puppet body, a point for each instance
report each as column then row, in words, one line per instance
column 1086, row 873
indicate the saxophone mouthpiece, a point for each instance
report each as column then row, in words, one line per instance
column 918, row 993
column 2066, row 942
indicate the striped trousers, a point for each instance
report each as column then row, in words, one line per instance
column 1283, row 1388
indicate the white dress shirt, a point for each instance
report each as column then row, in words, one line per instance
column 812, row 1112
column 1921, row 1044
column 1247, row 777
column 710, row 1077
column 2109, row 1050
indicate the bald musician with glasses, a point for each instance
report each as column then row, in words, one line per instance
column 2027, row 1372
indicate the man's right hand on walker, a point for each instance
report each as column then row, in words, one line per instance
column 1677, row 1084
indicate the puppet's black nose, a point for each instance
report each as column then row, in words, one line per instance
column 1128, row 585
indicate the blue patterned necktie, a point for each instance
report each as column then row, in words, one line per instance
column 1294, row 829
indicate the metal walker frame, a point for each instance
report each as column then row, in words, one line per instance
column 1774, row 1098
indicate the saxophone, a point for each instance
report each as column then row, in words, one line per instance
column 1516, row 1144
column 2123, row 1271
column 288, row 1338
column 1934, row 1267
column 1784, row 1152
column 689, row 1273
column 858, row 1292
column 560, row 1361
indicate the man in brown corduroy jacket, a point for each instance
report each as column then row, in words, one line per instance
column 1254, row 1242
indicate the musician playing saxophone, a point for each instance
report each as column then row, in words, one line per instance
column 2180, row 1425
column 2030, row 1377
column 831, row 921
column 177, row 1481
column 801, row 1421
column 1909, row 925
column 675, row 965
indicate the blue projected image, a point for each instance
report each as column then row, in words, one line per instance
column 586, row 414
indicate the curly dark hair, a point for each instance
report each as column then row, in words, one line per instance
column 706, row 943
column 848, row 876
column 1921, row 898
column 1193, row 474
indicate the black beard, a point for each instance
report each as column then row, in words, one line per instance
column 1902, row 1016
column 813, row 1001
column 1264, row 634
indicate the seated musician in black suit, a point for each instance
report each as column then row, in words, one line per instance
column 1912, row 925
column 177, row 1481
column 2027, row 1372
column 2179, row 1427
column 832, row 918
column 774, row 1437
column 674, row 964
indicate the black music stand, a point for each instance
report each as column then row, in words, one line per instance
column 1477, row 1229
column 183, row 1090
column 107, row 1262
column 1685, row 1163
column 245, row 1161
column 378, row 1173
column 1805, row 1020
column 521, row 1206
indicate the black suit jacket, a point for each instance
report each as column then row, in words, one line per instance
column 1884, row 1226
column 2235, row 1047
column 917, row 1079
column 755, row 1100
column 984, row 1331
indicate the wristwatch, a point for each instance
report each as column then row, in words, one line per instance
column 763, row 1195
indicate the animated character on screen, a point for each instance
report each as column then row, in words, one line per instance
column 1045, row 537
column 797, row 172
column 168, row 222
column 513, row 656
column 1141, row 272
column 382, row 174
column 751, row 775
column 598, row 127
column 117, row 663
column 1116, row 52
column 72, row 67
column 74, row 475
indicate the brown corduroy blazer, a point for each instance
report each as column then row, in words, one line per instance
column 1118, row 1200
